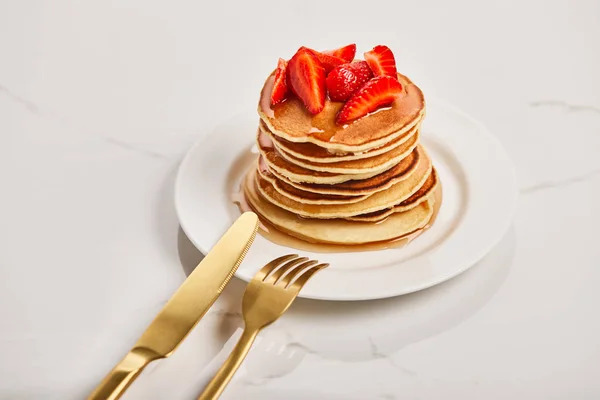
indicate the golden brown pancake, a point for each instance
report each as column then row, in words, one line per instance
column 336, row 231
column 424, row 193
column 300, row 195
column 378, row 201
column 312, row 152
column 332, row 173
column 362, row 187
column 375, row 164
column 291, row 121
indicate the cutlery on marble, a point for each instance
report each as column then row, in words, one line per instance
column 185, row 308
column 268, row 295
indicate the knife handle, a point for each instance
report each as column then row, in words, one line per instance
column 216, row 386
column 118, row 380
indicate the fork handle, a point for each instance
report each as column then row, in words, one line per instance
column 215, row 387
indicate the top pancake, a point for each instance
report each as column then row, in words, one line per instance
column 291, row 121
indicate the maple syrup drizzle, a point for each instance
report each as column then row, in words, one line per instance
column 322, row 126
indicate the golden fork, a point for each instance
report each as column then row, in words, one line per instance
column 268, row 295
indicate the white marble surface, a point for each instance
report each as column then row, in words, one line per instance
column 100, row 100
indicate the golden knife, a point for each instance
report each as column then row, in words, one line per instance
column 183, row 311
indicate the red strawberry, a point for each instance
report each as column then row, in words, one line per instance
column 280, row 88
column 381, row 60
column 306, row 77
column 346, row 79
column 377, row 92
column 329, row 62
column 346, row 53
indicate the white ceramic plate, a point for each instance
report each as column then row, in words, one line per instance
column 479, row 189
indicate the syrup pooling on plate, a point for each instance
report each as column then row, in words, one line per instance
column 344, row 175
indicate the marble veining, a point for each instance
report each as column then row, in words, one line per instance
column 225, row 314
column 564, row 105
column 20, row 100
column 590, row 175
column 98, row 104
column 48, row 113
column 380, row 356
column 135, row 148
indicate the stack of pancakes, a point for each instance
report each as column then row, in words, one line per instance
column 365, row 182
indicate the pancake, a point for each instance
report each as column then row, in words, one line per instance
column 312, row 152
column 378, row 201
column 337, row 231
column 296, row 173
column 376, row 164
column 425, row 193
column 303, row 196
column 333, row 173
column 368, row 182
column 291, row 121
column 365, row 186
column 373, row 165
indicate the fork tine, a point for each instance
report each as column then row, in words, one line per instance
column 303, row 278
column 264, row 271
column 284, row 282
column 284, row 268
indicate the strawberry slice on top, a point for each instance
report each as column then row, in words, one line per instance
column 379, row 91
column 346, row 53
column 346, row 79
column 382, row 61
column 328, row 61
column 306, row 78
column 280, row 89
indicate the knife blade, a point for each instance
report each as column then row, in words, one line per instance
column 185, row 308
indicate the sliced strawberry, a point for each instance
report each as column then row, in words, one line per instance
column 280, row 89
column 379, row 91
column 381, row 60
column 306, row 77
column 346, row 79
column 346, row 53
column 329, row 62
